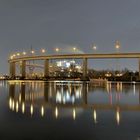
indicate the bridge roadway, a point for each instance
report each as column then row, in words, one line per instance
column 84, row 57
column 77, row 56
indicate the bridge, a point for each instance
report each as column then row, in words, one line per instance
column 46, row 58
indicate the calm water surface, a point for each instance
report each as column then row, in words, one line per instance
column 69, row 110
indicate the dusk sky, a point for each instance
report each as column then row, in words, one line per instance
column 67, row 23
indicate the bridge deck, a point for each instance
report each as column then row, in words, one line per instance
column 78, row 56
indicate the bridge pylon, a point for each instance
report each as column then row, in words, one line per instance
column 12, row 70
column 46, row 68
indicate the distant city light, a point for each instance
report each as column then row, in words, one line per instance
column 108, row 74
column 72, row 61
column 59, row 64
column 78, row 67
column 2, row 77
column 119, row 74
column 65, row 63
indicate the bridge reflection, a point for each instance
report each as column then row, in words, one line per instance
column 30, row 96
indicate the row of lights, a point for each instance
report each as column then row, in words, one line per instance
column 117, row 46
column 24, row 53
column 32, row 52
column 43, row 51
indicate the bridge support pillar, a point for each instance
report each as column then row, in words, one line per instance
column 23, row 69
column 46, row 68
column 12, row 70
column 84, row 69
column 139, row 69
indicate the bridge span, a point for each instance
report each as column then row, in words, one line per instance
column 84, row 57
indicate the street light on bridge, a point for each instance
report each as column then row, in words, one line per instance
column 32, row 51
column 74, row 49
column 11, row 57
column 43, row 50
column 57, row 49
column 94, row 47
column 18, row 54
column 24, row 53
column 117, row 46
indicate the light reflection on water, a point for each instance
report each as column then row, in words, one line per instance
column 46, row 95
column 71, row 96
column 66, row 101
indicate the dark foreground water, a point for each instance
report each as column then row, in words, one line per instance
column 68, row 110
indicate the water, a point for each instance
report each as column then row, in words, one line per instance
column 69, row 110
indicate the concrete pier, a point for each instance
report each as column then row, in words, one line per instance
column 139, row 67
column 12, row 70
column 84, row 69
column 46, row 68
column 23, row 69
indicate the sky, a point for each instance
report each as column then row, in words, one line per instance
column 68, row 23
